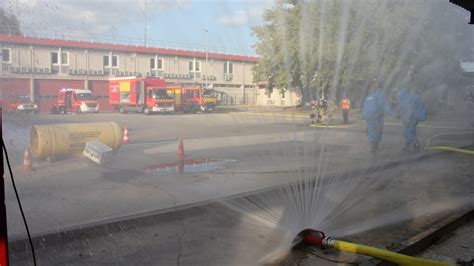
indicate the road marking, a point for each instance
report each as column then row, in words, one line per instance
column 428, row 126
column 247, row 140
column 271, row 114
column 335, row 126
column 301, row 116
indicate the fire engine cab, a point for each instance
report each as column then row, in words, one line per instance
column 142, row 95
column 75, row 101
column 196, row 99
column 22, row 104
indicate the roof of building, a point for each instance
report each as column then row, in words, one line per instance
column 121, row 48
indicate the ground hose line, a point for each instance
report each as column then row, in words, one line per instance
column 317, row 238
column 447, row 148
column 384, row 254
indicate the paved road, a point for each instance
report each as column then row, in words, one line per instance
column 264, row 152
column 214, row 234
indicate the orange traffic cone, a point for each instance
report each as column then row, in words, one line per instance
column 180, row 154
column 27, row 166
column 125, row 136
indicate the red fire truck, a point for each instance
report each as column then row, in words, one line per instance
column 75, row 101
column 142, row 95
column 21, row 104
column 196, row 99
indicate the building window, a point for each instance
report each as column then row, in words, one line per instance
column 64, row 58
column 156, row 64
column 106, row 61
column 194, row 66
column 110, row 61
column 115, row 60
column 54, row 58
column 152, row 63
column 6, row 52
column 283, row 94
column 228, row 68
column 197, row 66
column 160, row 64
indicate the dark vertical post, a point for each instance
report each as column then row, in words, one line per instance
column 3, row 211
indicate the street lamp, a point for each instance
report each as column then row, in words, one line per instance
column 205, row 67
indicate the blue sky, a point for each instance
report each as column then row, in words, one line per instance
column 171, row 23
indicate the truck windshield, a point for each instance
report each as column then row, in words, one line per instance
column 161, row 94
column 24, row 99
column 208, row 93
column 85, row 96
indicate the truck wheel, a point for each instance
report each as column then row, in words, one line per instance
column 146, row 111
column 122, row 110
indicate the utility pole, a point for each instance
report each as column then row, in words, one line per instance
column 205, row 68
column 146, row 22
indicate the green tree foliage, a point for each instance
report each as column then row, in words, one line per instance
column 333, row 47
column 9, row 23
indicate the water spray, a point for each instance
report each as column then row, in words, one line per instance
column 319, row 239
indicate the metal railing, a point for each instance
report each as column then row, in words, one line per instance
column 131, row 41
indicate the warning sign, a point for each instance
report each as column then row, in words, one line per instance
column 78, row 140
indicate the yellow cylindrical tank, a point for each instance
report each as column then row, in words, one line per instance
column 63, row 139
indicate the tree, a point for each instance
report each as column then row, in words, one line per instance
column 333, row 47
column 9, row 23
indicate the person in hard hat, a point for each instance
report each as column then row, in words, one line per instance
column 412, row 110
column 375, row 106
column 345, row 106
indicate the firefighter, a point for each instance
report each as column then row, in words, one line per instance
column 319, row 110
column 314, row 111
column 345, row 106
column 412, row 111
column 375, row 106
column 323, row 107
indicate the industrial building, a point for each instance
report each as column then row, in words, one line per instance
column 40, row 67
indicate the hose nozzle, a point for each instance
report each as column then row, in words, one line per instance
column 314, row 238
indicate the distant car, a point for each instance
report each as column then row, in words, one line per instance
column 22, row 104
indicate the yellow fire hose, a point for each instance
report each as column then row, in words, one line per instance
column 317, row 238
column 383, row 254
column 447, row 148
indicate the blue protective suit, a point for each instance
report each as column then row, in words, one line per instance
column 412, row 111
column 375, row 106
